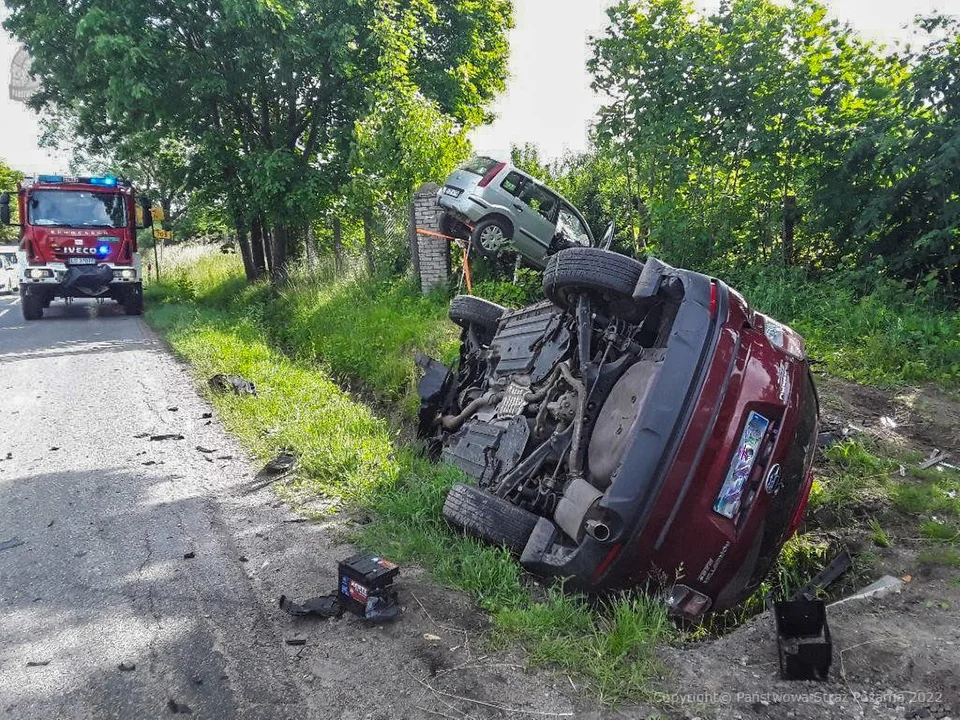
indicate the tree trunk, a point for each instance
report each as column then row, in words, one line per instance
column 338, row 244
column 278, row 253
column 789, row 223
column 311, row 246
column 256, row 248
column 368, row 242
column 244, row 242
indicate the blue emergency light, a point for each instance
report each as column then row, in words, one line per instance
column 103, row 250
column 108, row 181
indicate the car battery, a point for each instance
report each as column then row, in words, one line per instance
column 365, row 586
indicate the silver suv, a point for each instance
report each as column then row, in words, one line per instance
column 503, row 209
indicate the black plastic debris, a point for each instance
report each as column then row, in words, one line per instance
column 167, row 436
column 282, row 463
column 232, row 383
column 206, row 416
column 37, row 663
column 201, row 448
column 11, row 543
column 189, row 555
column 365, row 587
column 178, row 708
column 296, row 641
column 837, row 567
column 325, row 606
column 803, row 640
column 126, row 667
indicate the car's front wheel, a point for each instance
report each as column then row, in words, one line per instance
column 468, row 311
column 32, row 306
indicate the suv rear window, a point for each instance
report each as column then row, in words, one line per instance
column 479, row 165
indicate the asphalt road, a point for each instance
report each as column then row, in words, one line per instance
column 101, row 578
column 106, row 516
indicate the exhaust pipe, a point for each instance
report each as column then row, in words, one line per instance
column 598, row 530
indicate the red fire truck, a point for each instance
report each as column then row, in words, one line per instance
column 78, row 239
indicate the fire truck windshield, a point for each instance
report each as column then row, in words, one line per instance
column 74, row 208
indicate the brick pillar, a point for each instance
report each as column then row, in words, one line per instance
column 433, row 253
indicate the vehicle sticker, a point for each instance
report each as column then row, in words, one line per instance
column 728, row 501
column 712, row 564
column 783, row 380
column 772, row 484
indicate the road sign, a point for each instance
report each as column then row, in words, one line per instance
column 162, row 235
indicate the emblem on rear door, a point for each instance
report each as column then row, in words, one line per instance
column 772, row 485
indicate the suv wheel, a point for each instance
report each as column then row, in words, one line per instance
column 492, row 237
column 32, row 306
column 608, row 275
column 484, row 316
column 488, row 517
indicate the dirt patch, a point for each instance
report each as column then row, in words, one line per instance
column 926, row 417
column 895, row 657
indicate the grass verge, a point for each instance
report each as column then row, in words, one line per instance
column 353, row 459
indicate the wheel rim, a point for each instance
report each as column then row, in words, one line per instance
column 492, row 238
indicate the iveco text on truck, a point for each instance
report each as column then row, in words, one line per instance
column 78, row 239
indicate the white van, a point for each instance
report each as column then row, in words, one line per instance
column 9, row 278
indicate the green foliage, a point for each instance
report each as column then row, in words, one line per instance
column 277, row 102
column 879, row 535
column 715, row 120
column 8, row 183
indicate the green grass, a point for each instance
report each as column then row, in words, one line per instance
column 353, row 459
column 942, row 556
column 874, row 332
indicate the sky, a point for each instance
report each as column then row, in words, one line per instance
column 548, row 100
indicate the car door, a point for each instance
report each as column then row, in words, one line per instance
column 572, row 229
column 536, row 209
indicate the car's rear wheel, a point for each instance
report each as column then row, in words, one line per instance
column 468, row 311
column 604, row 275
column 488, row 517
column 31, row 306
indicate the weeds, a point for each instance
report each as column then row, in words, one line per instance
column 878, row 534
column 353, row 459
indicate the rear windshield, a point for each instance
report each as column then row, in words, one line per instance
column 480, row 165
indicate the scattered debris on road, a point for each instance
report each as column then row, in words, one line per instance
column 126, row 667
column 325, row 606
column 11, row 543
column 232, row 383
column 166, row 436
column 282, row 463
column 296, row 641
column 189, row 555
column 178, row 708
column 37, row 663
column 206, row 416
column 173, row 408
column 201, row 448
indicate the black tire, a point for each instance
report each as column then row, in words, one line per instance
column 32, row 306
column 488, row 517
column 604, row 275
column 483, row 315
column 479, row 239
column 133, row 300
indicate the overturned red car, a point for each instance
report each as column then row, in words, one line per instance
column 644, row 426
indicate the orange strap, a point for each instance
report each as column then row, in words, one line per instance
column 465, row 244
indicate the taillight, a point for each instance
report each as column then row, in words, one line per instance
column 491, row 174
column 606, row 562
column 713, row 299
column 687, row 602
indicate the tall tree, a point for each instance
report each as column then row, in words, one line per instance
column 267, row 92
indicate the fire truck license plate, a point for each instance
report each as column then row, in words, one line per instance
column 81, row 261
